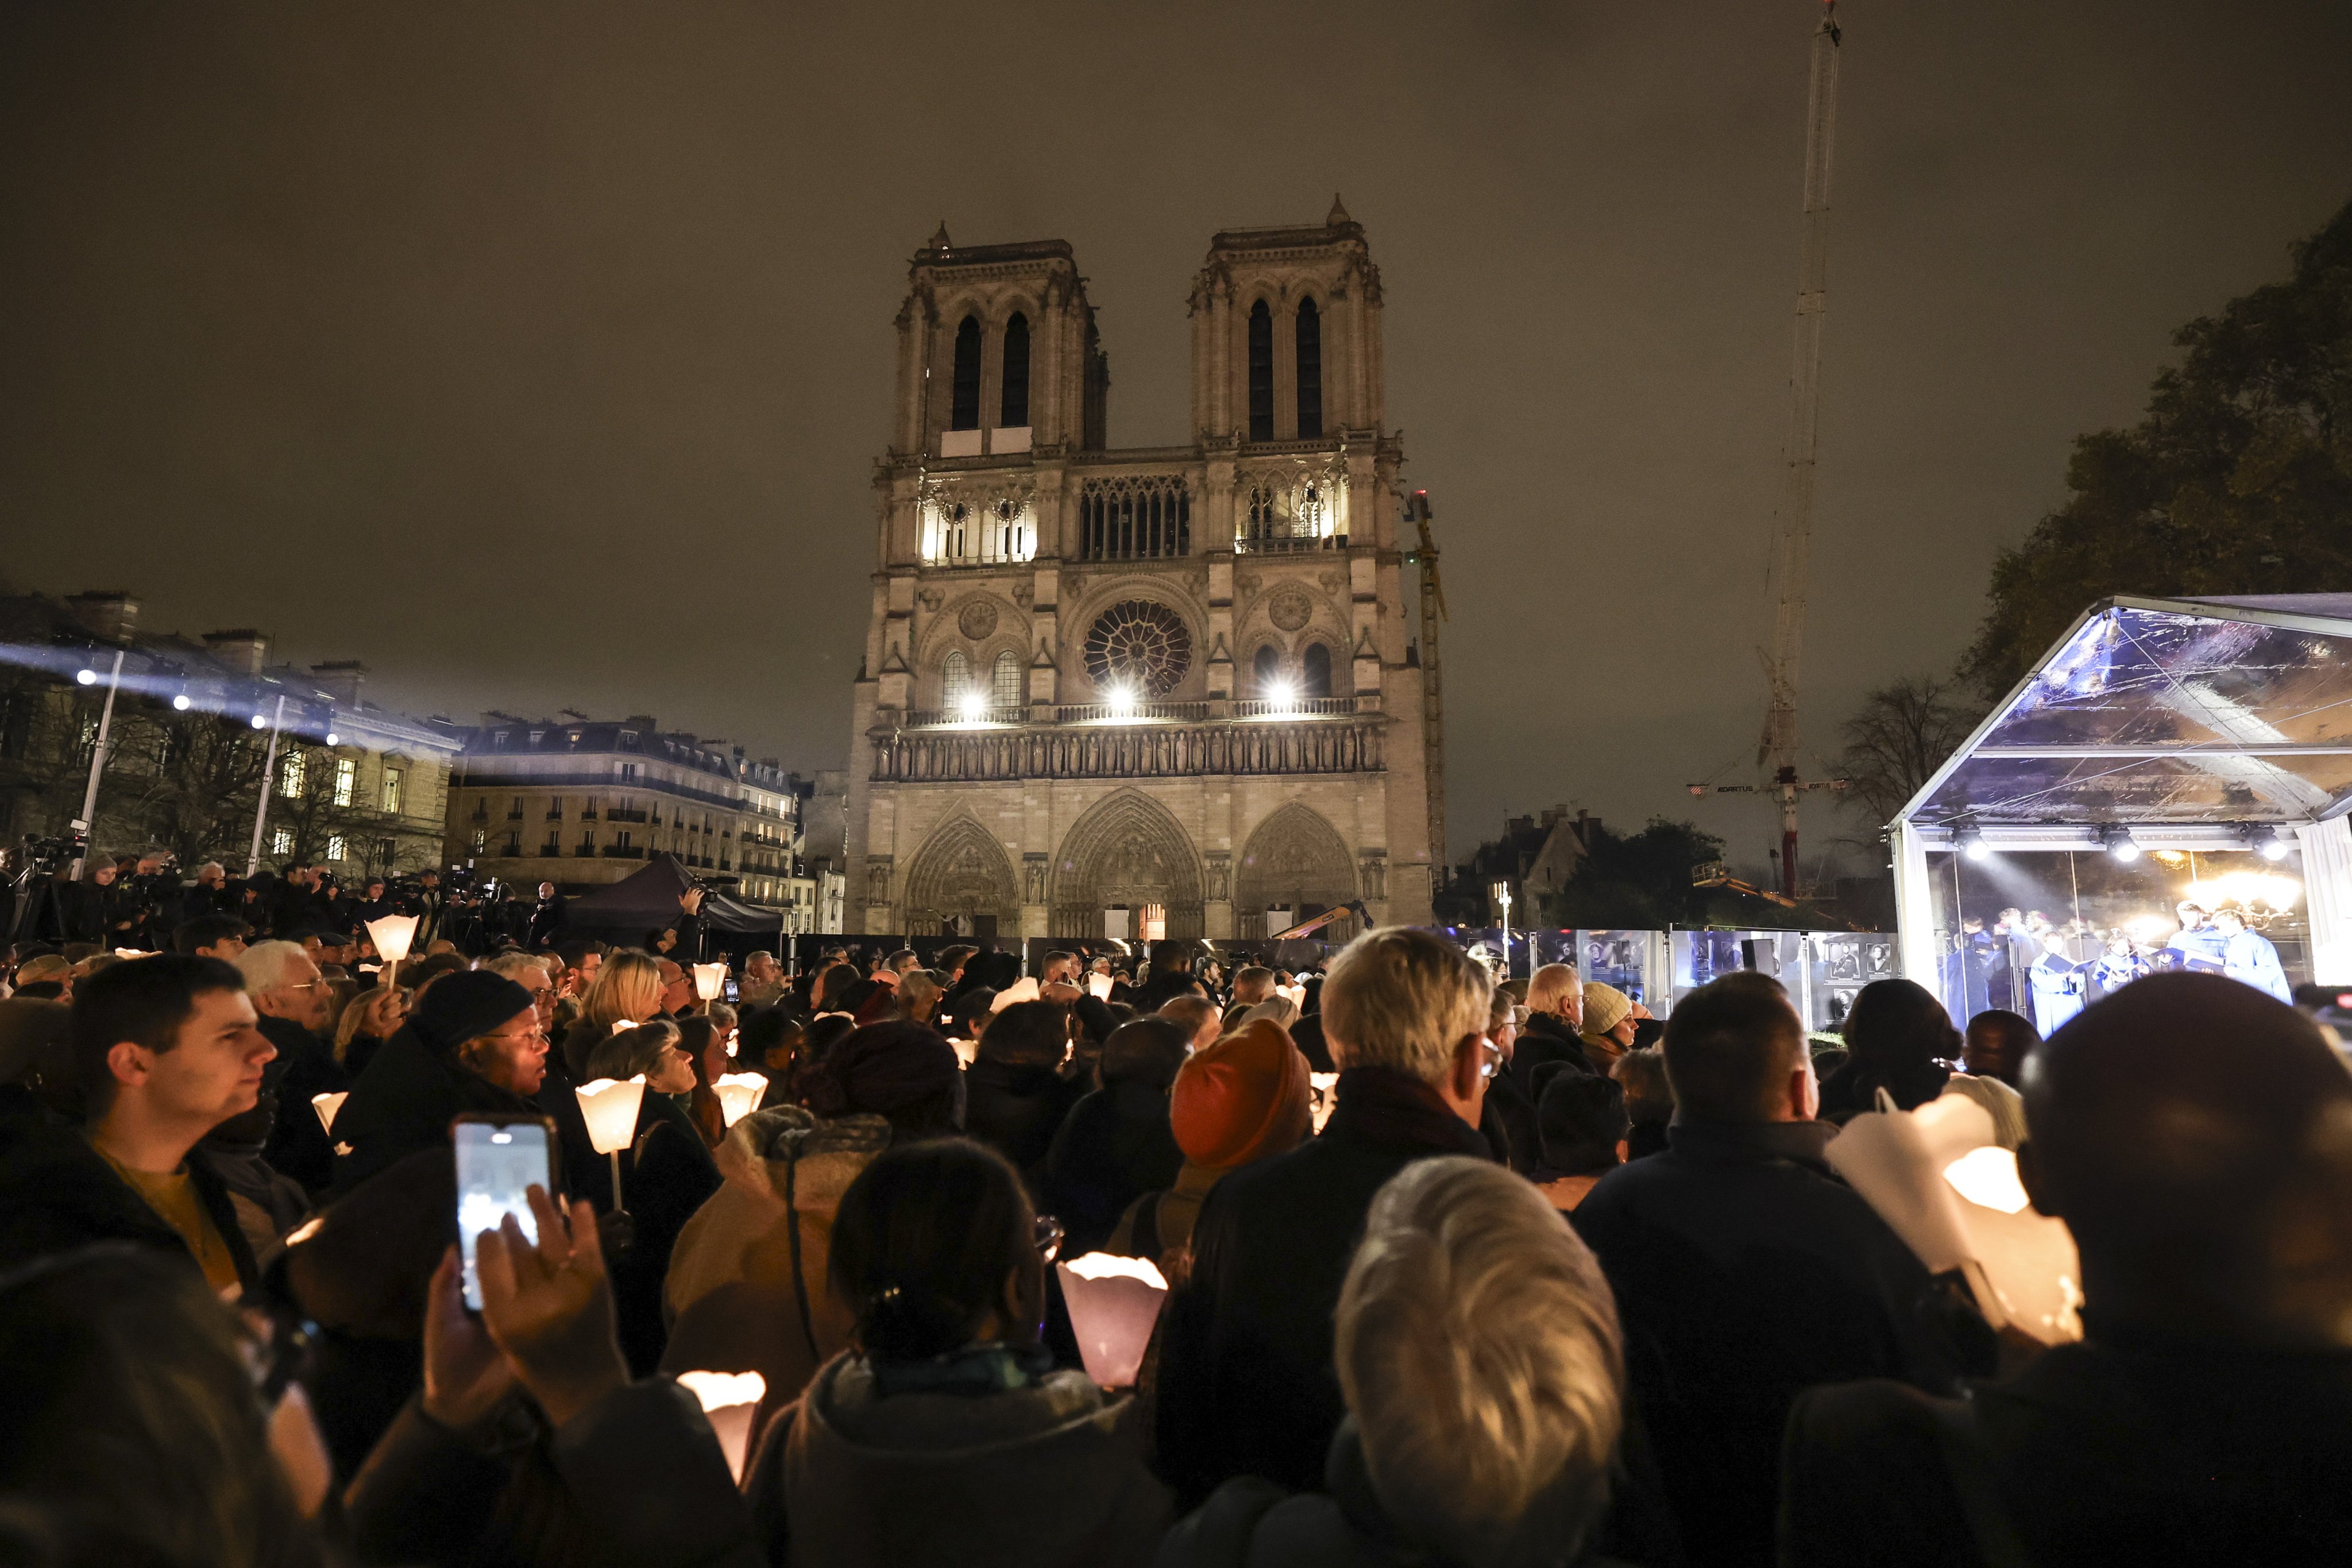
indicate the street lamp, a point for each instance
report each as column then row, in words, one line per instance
column 1503, row 898
column 269, row 778
column 97, row 759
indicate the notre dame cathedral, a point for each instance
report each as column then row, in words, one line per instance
column 1165, row 692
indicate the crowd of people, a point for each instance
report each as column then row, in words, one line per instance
column 2047, row 972
column 1459, row 1272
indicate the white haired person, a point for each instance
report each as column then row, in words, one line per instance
column 1478, row 1352
column 292, row 999
column 1246, row 1385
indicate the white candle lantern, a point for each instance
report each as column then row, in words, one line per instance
column 728, row 1400
column 610, row 1107
column 738, row 1094
column 709, row 980
column 392, row 934
column 326, row 1105
column 1114, row 1302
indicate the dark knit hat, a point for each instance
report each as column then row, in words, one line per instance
column 461, row 1007
column 1144, row 1050
column 882, row 1068
column 1241, row 1099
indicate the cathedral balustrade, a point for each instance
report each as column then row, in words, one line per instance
column 1286, row 544
column 1130, row 750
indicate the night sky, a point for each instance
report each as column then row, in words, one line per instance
column 537, row 355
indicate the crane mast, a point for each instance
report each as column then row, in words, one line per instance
column 1794, row 545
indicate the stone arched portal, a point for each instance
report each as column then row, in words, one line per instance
column 1294, row 860
column 960, row 883
column 1127, row 850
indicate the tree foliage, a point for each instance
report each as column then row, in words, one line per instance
column 2238, row 481
column 1639, row 881
column 1898, row 738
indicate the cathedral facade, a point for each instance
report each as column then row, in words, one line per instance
column 1151, row 692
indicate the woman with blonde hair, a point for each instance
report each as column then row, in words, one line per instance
column 627, row 990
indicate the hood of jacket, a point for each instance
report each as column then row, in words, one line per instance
column 1037, row 1477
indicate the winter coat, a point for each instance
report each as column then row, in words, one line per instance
column 667, row 1176
column 1049, row 1476
column 1016, row 1110
column 1114, row 1146
column 404, row 1102
column 1246, row 1385
column 1158, row 1225
column 305, row 1065
column 747, row 1287
column 57, row 1194
column 639, row 1478
column 1249, row 1521
column 2123, row 1448
column 1744, row 1272
column 1545, row 1038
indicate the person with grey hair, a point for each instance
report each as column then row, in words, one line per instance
column 1478, row 1352
column 1246, row 1382
column 292, row 999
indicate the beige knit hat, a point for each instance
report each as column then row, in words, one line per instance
column 1605, row 1007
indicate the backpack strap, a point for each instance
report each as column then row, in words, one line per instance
column 1969, row 1467
column 1147, row 1226
column 800, row 1279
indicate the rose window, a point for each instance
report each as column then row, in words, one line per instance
column 1141, row 646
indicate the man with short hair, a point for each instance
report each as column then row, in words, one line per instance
column 919, row 996
column 293, row 1000
column 677, row 993
column 210, row 936
column 763, row 979
column 950, row 963
column 1252, row 985
column 1746, row 1271
column 903, row 961
column 1246, row 1384
column 47, row 977
column 165, row 1050
column 1197, row 1016
column 1059, row 967
column 547, row 918
column 581, row 959
column 2206, row 1414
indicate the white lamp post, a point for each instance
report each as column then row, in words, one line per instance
column 1503, row 898
column 269, row 783
column 89, row 823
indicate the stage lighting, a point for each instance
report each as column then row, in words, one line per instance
column 2120, row 844
column 1972, row 844
column 2270, row 844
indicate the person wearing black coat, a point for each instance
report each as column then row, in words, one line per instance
column 666, row 1174
column 473, row 1044
column 1546, row 1037
column 1746, row 1271
column 1016, row 1093
column 1246, row 1385
column 1117, row 1144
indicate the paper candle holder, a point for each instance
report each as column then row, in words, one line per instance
column 1114, row 1302
column 327, row 1105
column 610, row 1106
column 392, row 935
column 728, row 1400
column 738, row 1094
column 709, row 981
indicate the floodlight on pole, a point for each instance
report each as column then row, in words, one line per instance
column 2270, row 844
column 97, row 755
column 2120, row 843
column 1971, row 842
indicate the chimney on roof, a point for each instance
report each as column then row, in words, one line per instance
column 244, row 649
column 641, row 721
column 109, row 614
column 340, row 679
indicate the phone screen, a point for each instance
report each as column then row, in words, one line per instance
column 497, row 1162
column 734, row 990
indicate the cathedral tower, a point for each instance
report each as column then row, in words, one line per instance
column 1147, row 692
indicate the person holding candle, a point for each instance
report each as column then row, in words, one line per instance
column 944, row 1434
column 473, row 1043
column 1115, row 1145
column 667, row 1174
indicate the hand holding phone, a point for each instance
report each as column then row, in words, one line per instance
column 500, row 1160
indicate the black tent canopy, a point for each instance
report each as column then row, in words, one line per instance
column 647, row 901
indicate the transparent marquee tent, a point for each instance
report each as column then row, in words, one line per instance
column 2198, row 725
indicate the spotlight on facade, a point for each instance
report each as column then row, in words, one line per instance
column 2270, row 844
column 87, row 677
column 973, row 705
column 182, row 703
column 2120, row 844
column 1972, row 844
column 1282, row 694
column 1122, row 700
column 260, row 722
column 333, row 739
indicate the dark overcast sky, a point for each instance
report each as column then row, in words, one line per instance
column 538, row 354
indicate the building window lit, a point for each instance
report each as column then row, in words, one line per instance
column 281, row 841
column 347, row 780
column 392, row 790
column 292, row 768
column 481, row 841
column 336, row 847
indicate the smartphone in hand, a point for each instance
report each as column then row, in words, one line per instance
column 499, row 1159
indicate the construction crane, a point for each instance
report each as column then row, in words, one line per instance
column 1432, row 686
column 1778, row 748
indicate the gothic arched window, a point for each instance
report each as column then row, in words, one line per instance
column 1310, row 372
column 1318, row 670
column 955, row 678
column 1015, row 410
column 1266, row 670
column 963, row 409
column 1005, row 689
column 1261, row 372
